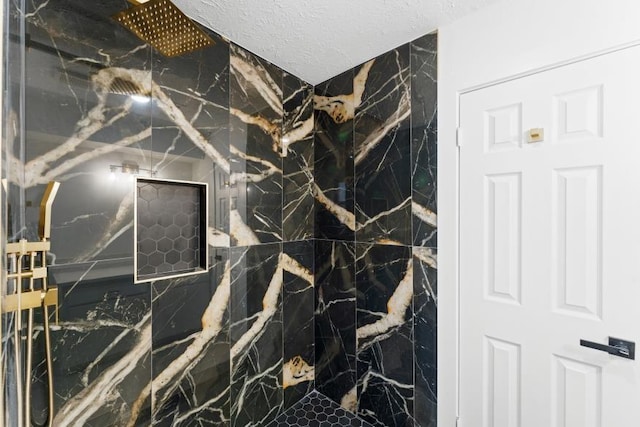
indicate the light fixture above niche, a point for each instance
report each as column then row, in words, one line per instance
column 131, row 168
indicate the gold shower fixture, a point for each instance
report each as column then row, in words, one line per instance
column 161, row 24
column 28, row 289
column 121, row 86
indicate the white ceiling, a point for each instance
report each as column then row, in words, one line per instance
column 318, row 40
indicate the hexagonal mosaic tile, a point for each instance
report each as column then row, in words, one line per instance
column 171, row 233
column 317, row 410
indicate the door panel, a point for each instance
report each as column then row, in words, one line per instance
column 549, row 246
column 502, row 281
column 576, row 233
column 502, row 370
column 576, row 393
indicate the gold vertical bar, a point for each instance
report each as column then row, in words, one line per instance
column 47, row 338
column 18, row 341
column 45, row 234
column 29, row 348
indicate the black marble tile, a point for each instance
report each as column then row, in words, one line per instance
column 424, row 131
column 383, row 148
column 298, row 321
column 426, row 335
column 256, row 113
column 191, row 348
column 424, row 176
column 297, row 140
column 101, row 346
column 384, row 282
column 78, row 122
column 334, row 167
column 256, row 333
column 335, row 318
column 190, row 113
column 191, row 106
column 316, row 410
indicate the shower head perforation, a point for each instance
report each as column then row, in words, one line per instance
column 162, row 25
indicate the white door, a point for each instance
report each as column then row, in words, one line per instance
column 550, row 247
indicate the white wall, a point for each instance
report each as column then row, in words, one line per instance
column 506, row 39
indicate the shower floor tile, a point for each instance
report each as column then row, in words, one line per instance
column 316, row 410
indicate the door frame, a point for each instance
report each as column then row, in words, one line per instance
column 449, row 333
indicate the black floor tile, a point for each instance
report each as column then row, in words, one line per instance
column 316, row 410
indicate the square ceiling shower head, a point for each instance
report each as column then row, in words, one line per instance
column 161, row 24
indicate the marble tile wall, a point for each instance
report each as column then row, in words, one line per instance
column 385, row 392
column 257, row 112
column 208, row 349
column 322, row 225
column 256, row 333
column 298, row 160
column 376, row 225
column 190, row 317
column 74, row 125
column 382, row 155
column 298, row 320
column 424, row 208
column 334, row 173
column 335, row 320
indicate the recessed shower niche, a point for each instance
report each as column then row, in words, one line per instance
column 170, row 229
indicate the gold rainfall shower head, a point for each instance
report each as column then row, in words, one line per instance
column 161, row 24
column 125, row 87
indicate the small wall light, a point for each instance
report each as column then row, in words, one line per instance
column 141, row 99
column 131, row 168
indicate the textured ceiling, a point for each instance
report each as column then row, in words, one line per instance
column 320, row 39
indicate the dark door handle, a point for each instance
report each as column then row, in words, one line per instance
column 616, row 347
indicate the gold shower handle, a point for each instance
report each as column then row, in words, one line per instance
column 45, row 209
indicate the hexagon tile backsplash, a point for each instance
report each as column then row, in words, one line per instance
column 170, row 229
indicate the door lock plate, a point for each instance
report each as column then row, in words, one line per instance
column 535, row 135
